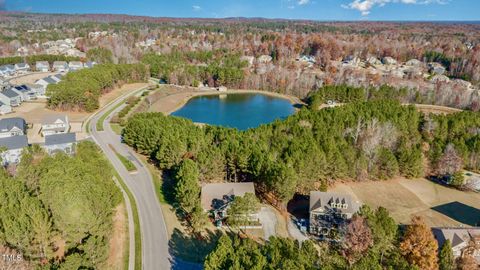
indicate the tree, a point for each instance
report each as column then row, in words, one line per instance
column 358, row 239
column 100, row 55
column 242, row 208
column 450, row 162
column 419, row 246
column 457, row 179
column 467, row 262
column 187, row 189
column 446, row 258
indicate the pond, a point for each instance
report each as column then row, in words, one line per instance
column 241, row 111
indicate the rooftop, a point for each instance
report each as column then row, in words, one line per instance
column 327, row 200
column 14, row 142
column 216, row 195
column 7, row 124
column 61, row 138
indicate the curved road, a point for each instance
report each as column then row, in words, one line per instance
column 155, row 249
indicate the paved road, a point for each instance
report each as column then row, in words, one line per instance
column 155, row 247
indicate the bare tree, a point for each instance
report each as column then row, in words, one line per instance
column 357, row 239
column 450, row 162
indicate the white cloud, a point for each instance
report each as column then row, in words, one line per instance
column 196, row 8
column 365, row 6
column 303, row 2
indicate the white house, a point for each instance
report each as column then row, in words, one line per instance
column 22, row 68
column 64, row 142
column 42, row 66
column 75, row 65
column 460, row 239
column 25, row 92
column 43, row 83
column 14, row 126
column 5, row 108
column 10, row 97
column 55, row 124
column 90, row 64
column 216, row 198
column 60, row 66
column 11, row 149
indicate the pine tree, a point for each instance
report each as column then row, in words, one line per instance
column 447, row 261
column 187, row 189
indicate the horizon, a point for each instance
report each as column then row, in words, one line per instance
column 310, row 10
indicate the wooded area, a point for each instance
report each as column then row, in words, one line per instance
column 80, row 90
column 57, row 211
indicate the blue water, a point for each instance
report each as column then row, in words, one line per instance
column 241, row 111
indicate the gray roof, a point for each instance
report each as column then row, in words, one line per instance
column 214, row 196
column 10, row 93
column 22, row 65
column 61, row 138
column 7, row 124
column 15, row 142
column 326, row 200
column 58, row 76
column 50, row 119
column 42, row 63
column 49, row 80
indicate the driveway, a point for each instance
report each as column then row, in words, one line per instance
column 295, row 232
column 269, row 221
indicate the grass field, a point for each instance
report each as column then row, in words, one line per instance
column 438, row 205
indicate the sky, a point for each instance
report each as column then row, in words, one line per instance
column 322, row 10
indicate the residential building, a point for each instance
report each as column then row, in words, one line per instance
column 55, row 124
column 14, row 126
column 42, row 66
column 330, row 213
column 464, row 241
column 63, row 142
column 37, row 89
column 10, row 97
column 25, row 92
column 307, row 59
column 44, row 82
column 5, row 108
column 12, row 148
column 22, row 68
column 90, row 64
column 60, row 66
column 75, row 65
column 216, row 198
column 10, row 69
column 3, row 71
column 436, row 68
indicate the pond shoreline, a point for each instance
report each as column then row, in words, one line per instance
column 182, row 98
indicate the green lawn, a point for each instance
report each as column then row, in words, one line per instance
column 136, row 225
column 126, row 162
column 116, row 128
column 102, row 118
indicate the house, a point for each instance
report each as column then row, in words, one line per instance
column 374, row 61
column 264, row 59
column 36, row 88
column 413, row 63
column 4, row 108
column 43, row 83
column 60, row 66
column 11, row 149
column 10, row 69
column 307, row 59
column 90, row 64
column 330, row 213
column 464, row 241
column 25, row 92
column 63, row 142
column 3, row 71
column 42, row 66
column 351, row 61
column 57, row 77
column 22, row 68
column 216, row 198
column 55, row 124
column 10, row 97
column 14, row 126
column 75, row 65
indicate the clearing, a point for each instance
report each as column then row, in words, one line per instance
column 440, row 206
column 119, row 239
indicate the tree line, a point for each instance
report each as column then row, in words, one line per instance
column 373, row 241
column 32, row 59
column 212, row 68
column 81, row 90
column 57, row 210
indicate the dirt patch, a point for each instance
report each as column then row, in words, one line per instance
column 434, row 109
column 405, row 198
column 31, row 78
column 119, row 239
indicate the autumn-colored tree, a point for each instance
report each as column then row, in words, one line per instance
column 419, row 247
column 357, row 239
column 467, row 263
column 450, row 162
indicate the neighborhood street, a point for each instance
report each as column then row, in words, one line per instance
column 153, row 230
